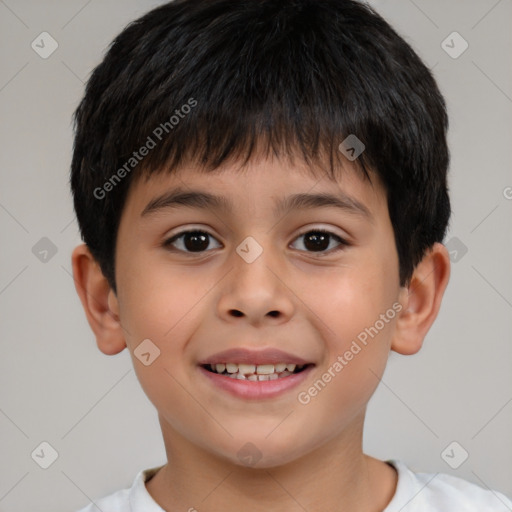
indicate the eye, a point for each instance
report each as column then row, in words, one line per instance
column 190, row 241
column 196, row 241
column 320, row 240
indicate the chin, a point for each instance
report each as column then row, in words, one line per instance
column 259, row 452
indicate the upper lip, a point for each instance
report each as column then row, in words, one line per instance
column 246, row 356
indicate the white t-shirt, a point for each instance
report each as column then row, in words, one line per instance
column 415, row 492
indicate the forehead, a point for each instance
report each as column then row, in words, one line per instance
column 257, row 184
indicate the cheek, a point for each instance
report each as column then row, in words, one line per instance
column 157, row 300
column 355, row 306
column 165, row 308
column 356, row 355
column 352, row 298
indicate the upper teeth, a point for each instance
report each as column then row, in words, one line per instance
column 247, row 369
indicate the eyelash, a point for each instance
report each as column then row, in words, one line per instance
column 342, row 243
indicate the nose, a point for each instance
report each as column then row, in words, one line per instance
column 256, row 292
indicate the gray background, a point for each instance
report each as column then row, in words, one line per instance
column 56, row 386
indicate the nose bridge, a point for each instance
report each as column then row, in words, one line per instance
column 255, row 290
column 255, row 276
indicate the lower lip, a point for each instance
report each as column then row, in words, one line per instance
column 249, row 389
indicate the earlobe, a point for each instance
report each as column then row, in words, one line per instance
column 422, row 300
column 98, row 300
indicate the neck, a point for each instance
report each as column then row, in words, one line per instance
column 335, row 476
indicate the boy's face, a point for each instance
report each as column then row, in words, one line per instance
column 312, row 304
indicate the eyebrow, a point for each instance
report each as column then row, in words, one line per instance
column 180, row 197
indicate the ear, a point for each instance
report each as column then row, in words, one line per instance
column 421, row 300
column 98, row 300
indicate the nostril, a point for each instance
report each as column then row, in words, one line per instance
column 273, row 313
column 235, row 312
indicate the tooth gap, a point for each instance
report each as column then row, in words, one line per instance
column 210, row 368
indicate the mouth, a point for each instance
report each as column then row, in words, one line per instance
column 248, row 381
column 250, row 374
column 256, row 372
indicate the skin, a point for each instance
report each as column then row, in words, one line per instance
column 192, row 305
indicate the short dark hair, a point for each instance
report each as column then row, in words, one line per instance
column 206, row 81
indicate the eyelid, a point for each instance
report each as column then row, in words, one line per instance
column 192, row 228
column 324, row 229
column 307, row 229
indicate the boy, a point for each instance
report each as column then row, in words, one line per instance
column 261, row 189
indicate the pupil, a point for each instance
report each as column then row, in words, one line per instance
column 317, row 241
column 196, row 241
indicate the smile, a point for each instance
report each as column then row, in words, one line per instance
column 253, row 372
column 255, row 382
